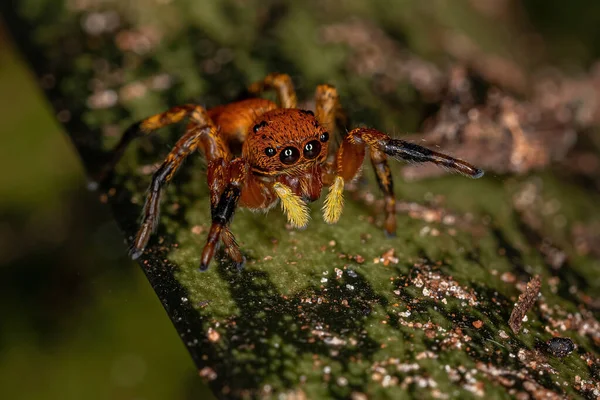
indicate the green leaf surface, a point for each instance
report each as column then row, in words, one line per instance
column 331, row 310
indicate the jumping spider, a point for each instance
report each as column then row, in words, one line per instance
column 284, row 158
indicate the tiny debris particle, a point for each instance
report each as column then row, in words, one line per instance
column 560, row 347
column 525, row 302
column 203, row 303
column 334, row 341
column 388, row 257
column 503, row 334
column 208, row 373
column 351, row 273
column 323, row 280
column 358, row 396
column 508, row 277
column 197, row 229
column 478, row 324
column 350, row 287
column 213, row 335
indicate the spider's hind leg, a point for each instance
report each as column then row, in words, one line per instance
column 328, row 109
column 386, row 184
column 283, row 86
column 144, row 127
column 201, row 134
column 184, row 147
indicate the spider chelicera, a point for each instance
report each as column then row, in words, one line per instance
column 284, row 158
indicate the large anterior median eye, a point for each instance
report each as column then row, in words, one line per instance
column 289, row 155
column 312, row 149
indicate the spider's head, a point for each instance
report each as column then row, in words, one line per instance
column 285, row 140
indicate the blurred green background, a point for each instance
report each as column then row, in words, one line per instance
column 72, row 305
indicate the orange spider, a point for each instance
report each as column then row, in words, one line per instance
column 284, row 158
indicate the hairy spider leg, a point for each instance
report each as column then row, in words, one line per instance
column 138, row 129
column 197, row 136
column 218, row 177
column 223, row 211
column 386, row 184
column 329, row 113
column 283, row 86
column 351, row 154
column 328, row 108
column 201, row 134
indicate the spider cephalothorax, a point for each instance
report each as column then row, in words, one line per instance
column 284, row 158
column 285, row 141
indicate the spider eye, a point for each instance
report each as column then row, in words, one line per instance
column 307, row 112
column 312, row 149
column 257, row 127
column 324, row 137
column 269, row 151
column 289, row 155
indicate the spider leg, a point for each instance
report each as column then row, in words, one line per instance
column 183, row 148
column 346, row 165
column 201, row 134
column 218, row 177
column 328, row 109
column 351, row 154
column 222, row 213
column 330, row 114
column 386, row 184
column 283, row 86
column 146, row 126
column 405, row 151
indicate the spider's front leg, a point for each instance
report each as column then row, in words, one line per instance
column 351, row 154
column 218, row 177
column 349, row 159
column 222, row 211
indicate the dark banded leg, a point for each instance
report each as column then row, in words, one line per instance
column 183, row 148
column 218, row 177
column 283, row 86
column 405, row 151
column 351, row 154
column 222, row 213
column 386, row 184
column 141, row 128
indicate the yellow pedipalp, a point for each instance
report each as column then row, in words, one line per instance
column 295, row 209
column 334, row 203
